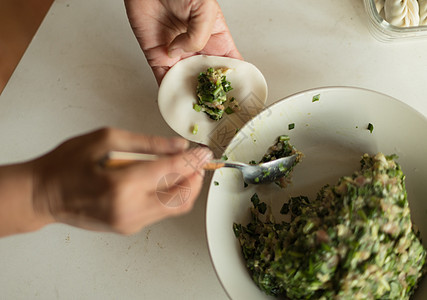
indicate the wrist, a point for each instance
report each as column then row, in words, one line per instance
column 18, row 212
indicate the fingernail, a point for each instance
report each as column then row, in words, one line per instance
column 172, row 53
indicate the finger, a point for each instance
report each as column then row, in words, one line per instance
column 121, row 140
column 157, row 206
column 184, row 193
column 234, row 53
column 159, row 73
column 184, row 164
column 202, row 19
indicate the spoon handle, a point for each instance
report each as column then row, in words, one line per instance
column 115, row 159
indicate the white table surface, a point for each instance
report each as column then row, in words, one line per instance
column 84, row 69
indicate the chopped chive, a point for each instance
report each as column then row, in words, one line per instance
column 195, row 129
column 197, row 107
column 370, row 127
column 283, row 138
column 285, row 209
column 282, row 168
column 229, row 110
column 224, row 157
column 316, row 98
column 291, row 126
column 255, row 199
column 216, row 183
column 262, row 208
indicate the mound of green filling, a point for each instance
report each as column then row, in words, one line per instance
column 354, row 241
column 212, row 89
column 281, row 148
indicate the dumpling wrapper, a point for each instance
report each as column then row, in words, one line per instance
column 177, row 95
column 402, row 13
column 423, row 12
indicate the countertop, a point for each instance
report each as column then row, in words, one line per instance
column 84, row 70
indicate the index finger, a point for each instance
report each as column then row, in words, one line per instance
column 184, row 164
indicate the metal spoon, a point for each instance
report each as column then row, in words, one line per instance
column 255, row 174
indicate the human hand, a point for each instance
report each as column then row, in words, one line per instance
column 70, row 186
column 171, row 30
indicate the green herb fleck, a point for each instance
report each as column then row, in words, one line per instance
column 316, row 98
column 224, row 157
column 195, row 129
column 291, row 126
column 283, row 138
column 255, row 199
column 282, row 168
column 370, row 127
column 216, row 183
column 229, row 110
column 197, row 107
column 285, row 209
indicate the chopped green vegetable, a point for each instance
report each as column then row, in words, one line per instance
column 255, row 199
column 354, row 241
column 195, row 129
column 197, row 108
column 212, row 89
column 282, row 168
column 229, row 110
column 291, row 126
column 284, row 138
column 216, row 183
column 316, row 98
column 224, row 157
column 370, row 127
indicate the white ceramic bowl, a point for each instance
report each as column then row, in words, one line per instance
column 333, row 135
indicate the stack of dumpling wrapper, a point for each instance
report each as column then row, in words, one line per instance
column 403, row 13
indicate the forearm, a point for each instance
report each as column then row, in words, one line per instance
column 17, row 213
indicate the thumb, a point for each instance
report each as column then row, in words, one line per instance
column 201, row 21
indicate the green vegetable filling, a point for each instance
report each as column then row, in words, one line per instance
column 281, row 148
column 354, row 241
column 212, row 92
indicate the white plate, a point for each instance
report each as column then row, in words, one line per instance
column 332, row 133
column 177, row 94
